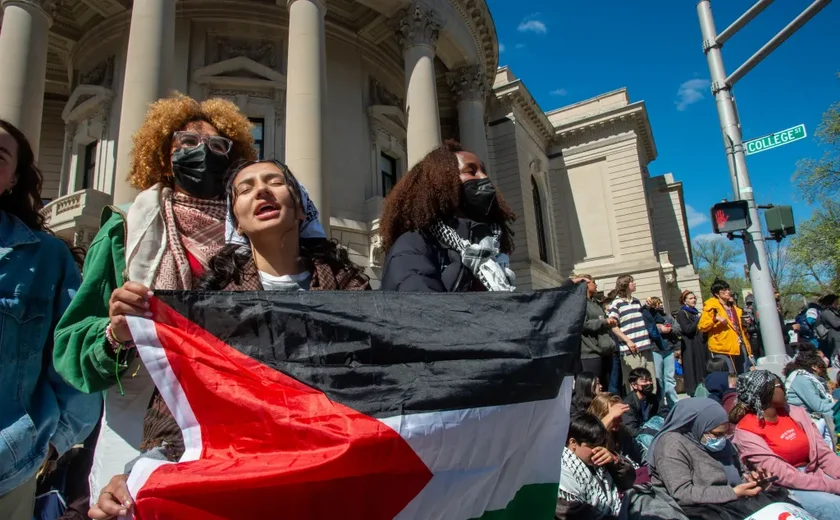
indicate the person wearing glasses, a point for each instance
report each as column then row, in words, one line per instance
column 163, row 240
column 721, row 321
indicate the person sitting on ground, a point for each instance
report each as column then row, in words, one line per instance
column 718, row 384
column 643, row 403
column 696, row 464
column 592, row 477
column 587, row 386
column 610, row 409
column 782, row 440
column 646, row 413
column 446, row 228
column 806, row 386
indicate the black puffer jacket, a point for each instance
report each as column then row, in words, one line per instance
column 417, row 262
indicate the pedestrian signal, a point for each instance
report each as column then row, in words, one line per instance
column 729, row 217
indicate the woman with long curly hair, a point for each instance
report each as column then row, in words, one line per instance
column 275, row 238
column 41, row 413
column 164, row 240
column 446, row 228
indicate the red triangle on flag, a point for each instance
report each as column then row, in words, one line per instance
column 271, row 446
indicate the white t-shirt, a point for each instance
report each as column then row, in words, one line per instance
column 286, row 282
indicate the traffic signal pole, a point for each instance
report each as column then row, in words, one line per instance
column 756, row 252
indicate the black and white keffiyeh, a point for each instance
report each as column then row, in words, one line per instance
column 593, row 486
column 753, row 388
column 484, row 260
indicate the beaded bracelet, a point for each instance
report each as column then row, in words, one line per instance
column 116, row 344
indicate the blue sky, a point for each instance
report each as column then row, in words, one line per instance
column 567, row 51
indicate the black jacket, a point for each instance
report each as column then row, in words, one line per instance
column 417, row 262
column 633, row 420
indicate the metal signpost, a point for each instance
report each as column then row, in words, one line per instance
column 756, row 253
column 767, row 142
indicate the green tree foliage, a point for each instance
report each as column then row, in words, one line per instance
column 819, row 180
column 816, row 246
column 719, row 258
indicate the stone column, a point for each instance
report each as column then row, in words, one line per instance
column 23, row 64
column 148, row 73
column 470, row 86
column 418, row 32
column 306, row 101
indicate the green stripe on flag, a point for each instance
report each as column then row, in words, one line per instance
column 534, row 502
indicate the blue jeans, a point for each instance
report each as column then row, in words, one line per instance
column 665, row 371
column 824, row 506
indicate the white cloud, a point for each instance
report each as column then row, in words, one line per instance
column 708, row 237
column 531, row 23
column 690, row 92
column 519, row 46
column 559, row 92
column 501, row 47
column 694, row 217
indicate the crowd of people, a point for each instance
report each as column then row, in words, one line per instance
column 211, row 216
column 744, row 438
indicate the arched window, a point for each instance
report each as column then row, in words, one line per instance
column 538, row 214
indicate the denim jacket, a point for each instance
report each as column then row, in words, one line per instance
column 38, row 277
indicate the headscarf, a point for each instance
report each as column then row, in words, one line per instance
column 692, row 418
column 310, row 227
column 753, row 388
column 717, row 384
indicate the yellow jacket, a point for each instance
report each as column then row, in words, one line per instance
column 721, row 337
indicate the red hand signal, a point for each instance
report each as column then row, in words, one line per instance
column 721, row 218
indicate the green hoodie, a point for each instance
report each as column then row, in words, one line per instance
column 82, row 355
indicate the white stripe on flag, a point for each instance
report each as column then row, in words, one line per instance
column 481, row 457
column 154, row 357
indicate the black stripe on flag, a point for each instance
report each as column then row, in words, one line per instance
column 399, row 353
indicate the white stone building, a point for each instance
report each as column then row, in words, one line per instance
column 350, row 98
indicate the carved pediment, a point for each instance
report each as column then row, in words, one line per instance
column 240, row 72
column 391, row 119
column 86, row 101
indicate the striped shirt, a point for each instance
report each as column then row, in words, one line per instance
column 632, row 323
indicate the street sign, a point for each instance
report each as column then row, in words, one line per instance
column 775, row 140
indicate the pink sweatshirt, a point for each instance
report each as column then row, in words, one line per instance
column 822, row 461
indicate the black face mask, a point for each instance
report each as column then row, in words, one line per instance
column 200, row 172
column 646, row 390
column 477, row 199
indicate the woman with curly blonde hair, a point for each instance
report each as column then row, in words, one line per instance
column 446, row 228
column 163, row 240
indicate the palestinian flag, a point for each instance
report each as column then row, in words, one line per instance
column 360, row 405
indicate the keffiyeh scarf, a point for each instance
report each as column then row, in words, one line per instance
column 593, row 486
column 752, row 386
column 484, row 260
column 193, row 225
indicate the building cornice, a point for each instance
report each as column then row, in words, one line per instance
column 476, row 15
column 514, row 96
column 631, row 117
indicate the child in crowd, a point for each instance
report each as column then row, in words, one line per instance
column 592, row 477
